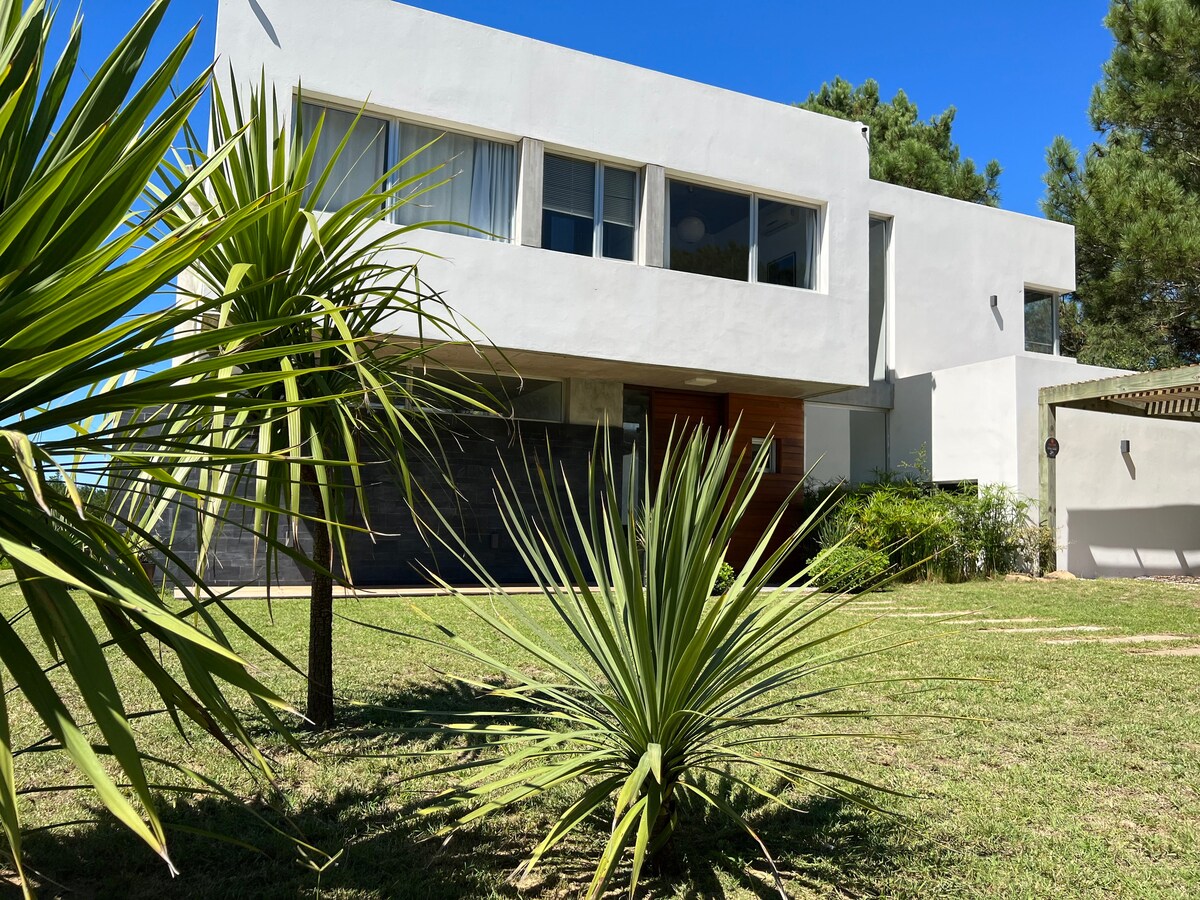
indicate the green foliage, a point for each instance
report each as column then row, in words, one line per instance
column 904, row 149
column 80, row 368
column 725, row 577
column 340, row 392
column 1135, row 199
column 950, row 535
column 659, row 689
column 849, row 568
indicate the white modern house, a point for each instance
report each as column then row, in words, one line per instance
column 647, row 248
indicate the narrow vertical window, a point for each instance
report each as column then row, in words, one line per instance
column 568, row 205
column 620, row 209
column 1041, row 325
column 787, row 246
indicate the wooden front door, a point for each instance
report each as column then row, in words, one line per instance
column 784, row 417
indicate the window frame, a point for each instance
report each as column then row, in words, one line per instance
column 598, row 167
column 751, row 257
column 1055, row 303
column 756, row 444
column 392, row 157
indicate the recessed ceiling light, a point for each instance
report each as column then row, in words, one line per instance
column 701, row 382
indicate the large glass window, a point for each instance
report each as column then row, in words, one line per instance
column 709, row 231
column 475, row 187
column 1041, row 321
column 363, row 160
column 573, row 222
column 741, row 237
column 462, row 393
column 472, row 191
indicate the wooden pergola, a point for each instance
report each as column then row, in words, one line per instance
column 1163, row 394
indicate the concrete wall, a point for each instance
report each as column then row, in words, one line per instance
column 1128, row 514
column 843, row 443
column 435, row 70
column 948, row 258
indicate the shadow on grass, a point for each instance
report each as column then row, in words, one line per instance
column 825, row 845
column 390, row 852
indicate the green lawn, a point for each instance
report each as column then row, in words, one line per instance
column 1080, row 778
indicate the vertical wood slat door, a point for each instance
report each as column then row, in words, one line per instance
column 781, row 416
column 681, row 411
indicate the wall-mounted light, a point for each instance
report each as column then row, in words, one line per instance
column 1124, row 446
column 994, row 301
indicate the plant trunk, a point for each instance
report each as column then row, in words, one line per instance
column 320, row 623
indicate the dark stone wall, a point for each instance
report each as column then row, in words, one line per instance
column 474, row 450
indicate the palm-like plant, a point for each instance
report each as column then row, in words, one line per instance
column 339, row 274
column 79, row 367
column 659, row 689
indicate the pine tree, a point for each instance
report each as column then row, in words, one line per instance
column 904, row 149
column 1134, row 198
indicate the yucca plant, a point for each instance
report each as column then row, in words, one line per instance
column 343, row 275
column 80, row 365
column 661, row 689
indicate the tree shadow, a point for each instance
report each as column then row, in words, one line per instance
column 409, row 713
column 384, row 848
column 825, row 844
column 367, row 846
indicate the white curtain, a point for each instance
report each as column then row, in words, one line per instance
column 808, row 277
column 479, row 182
column 360, row 164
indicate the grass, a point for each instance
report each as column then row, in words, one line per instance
column 1078, row 774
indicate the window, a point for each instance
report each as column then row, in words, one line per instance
column 741, row 236
column 572, row 220
column 476, row 185
column 362, row 162
column 772, row 467
column 518, row 398
column 472, row 191
column 1041, row 321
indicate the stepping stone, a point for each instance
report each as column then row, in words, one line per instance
column 1040, row 630
column 1125, row 639
column 1169, row 651
column 930, row 615
column 1024, row 621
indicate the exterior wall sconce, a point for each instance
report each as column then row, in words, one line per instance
column 994, row 301
column 1124, row 446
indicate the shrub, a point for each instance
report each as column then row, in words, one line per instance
column 927, row 532
column 848, row 568
column 654, row 687
column 725, row 576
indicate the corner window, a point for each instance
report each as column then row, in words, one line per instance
column 572, row 219
column 741, row 237
column 1041, row 321
column 472, row 191
column 362, row 162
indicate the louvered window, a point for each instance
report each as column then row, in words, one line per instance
column 571, row 219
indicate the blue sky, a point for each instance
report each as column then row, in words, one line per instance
column 1018, row 72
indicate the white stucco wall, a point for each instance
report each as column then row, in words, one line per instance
column 980, row 421
column 432, row 69
column 948, row 258
column 1128, row 515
